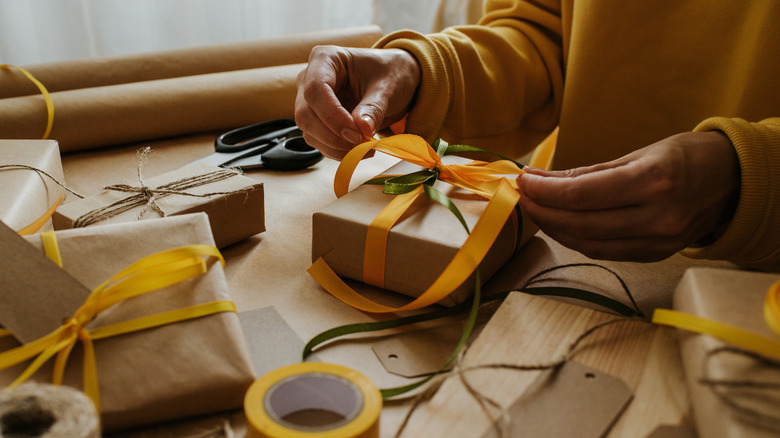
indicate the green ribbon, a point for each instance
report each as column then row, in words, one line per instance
column 396, row 185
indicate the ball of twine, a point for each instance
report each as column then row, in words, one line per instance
column 47, row 411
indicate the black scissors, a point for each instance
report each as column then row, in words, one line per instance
column 275, row 144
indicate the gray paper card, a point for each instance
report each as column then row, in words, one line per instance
column 272, row 342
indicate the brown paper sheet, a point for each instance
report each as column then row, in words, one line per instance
column 36, row 294
column 734, row 298
column 419, row 246
column 233, row 216
column 178, row 370
column 102, row 71
column 529, row 330
column 27, row 195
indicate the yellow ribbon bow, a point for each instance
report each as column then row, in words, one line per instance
column 148, row 274
column 487, row 179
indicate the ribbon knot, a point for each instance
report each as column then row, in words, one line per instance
column 148, row 274
column 482, row 178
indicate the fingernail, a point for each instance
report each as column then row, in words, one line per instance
column 351, row 135
column 366, row 118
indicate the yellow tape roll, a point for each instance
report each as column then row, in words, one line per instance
column 313, row 400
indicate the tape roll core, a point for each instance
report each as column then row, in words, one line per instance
column 313, row 400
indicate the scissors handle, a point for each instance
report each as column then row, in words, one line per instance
column 291, row 154
column 257, row 134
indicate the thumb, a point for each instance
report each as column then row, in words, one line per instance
column 370, row 113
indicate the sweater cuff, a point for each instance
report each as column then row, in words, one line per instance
column 433, row 98
column 752, row 238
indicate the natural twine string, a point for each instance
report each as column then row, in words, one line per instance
column 148, row 196
column 721, row 387
column 41, row 173
column 35, row 410
column 503, row 421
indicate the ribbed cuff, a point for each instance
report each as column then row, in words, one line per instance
column 434, row 93
column 752, row 237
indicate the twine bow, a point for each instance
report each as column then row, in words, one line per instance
column 147, row 197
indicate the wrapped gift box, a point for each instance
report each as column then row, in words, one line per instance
column 26, row 194
column 236, row 214
column 420, row 245
column 183, row 369
column 735, row 298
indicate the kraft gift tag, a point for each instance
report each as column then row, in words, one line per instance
column 589, row 400
column 36, row 294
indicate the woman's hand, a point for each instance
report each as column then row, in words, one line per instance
column 645, row 206
column 346, row 95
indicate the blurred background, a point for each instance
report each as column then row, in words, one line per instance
column 41, row 31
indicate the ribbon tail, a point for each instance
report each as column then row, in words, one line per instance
column 90, row 375
column 459, row 269
column 41, row 221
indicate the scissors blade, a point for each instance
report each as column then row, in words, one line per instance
column 231, row 159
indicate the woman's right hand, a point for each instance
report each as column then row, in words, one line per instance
column 347, row 94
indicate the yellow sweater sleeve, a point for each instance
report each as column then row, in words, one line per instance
column 498, row 84
column 752, row 238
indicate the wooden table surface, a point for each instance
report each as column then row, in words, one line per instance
column 270, row 270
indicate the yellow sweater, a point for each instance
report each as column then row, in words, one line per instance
column 616, row 76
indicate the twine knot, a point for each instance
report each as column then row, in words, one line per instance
column 146, row 196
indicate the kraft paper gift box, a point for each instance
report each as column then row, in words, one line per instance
column 235, row 212
column 27, row 195
column 735, row 298
column 420, row 245
column 172, row 371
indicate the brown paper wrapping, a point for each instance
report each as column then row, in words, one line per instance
column 124, row 113
column 178, row 370
column 419, row 246
column 233, row 216
column 735, row 298
column 102, row 71
column 27, row 195
column 166, row 94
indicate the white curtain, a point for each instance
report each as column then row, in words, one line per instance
column 37, row 31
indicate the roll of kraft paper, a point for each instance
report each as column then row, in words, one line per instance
column 312, row 399
column 102, row 116
column 102, row 71
column 41, row 410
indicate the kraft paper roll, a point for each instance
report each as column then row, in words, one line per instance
column 317, row 400
column 102, row 71
column 103, row 116
column 47, row 411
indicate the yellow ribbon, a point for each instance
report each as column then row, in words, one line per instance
column 46, row 97
column 734, row 335
column 41, row 221
column 148, row 274
column 487, row 179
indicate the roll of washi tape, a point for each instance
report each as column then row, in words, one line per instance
column 41, row 410
column 313, row 399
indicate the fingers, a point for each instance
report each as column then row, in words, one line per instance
column 346, row 95
column 319, row 112
column 595, row 188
